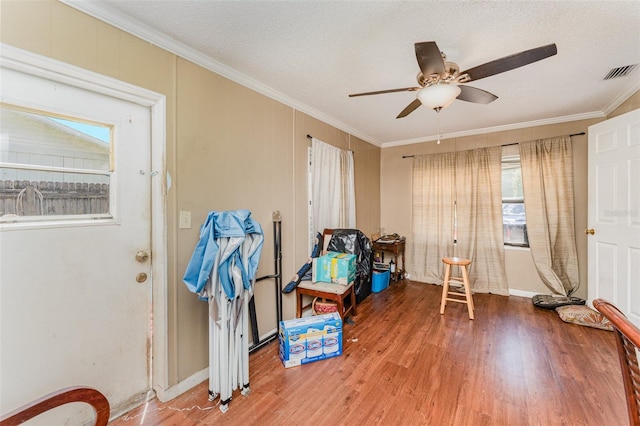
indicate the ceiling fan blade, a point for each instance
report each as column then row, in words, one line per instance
column 475, row 95
column 429, row 58
column 511, row 62
column 410, row 108
column 379, row 92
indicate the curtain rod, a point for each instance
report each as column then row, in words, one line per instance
column 311, row 137
column 509, row 144
column 574, row 134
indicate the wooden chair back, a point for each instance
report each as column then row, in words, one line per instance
column 628, row 343
column 326, row 238
column 55, row 399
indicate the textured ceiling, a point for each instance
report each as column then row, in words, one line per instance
column 312, row 54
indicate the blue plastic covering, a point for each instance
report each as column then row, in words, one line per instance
column 227, row 239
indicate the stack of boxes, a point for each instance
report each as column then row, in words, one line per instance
column 337, row 268
column 309, row 339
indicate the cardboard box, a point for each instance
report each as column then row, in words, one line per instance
column 337, row 268
column 309, row 339
column 380, row 281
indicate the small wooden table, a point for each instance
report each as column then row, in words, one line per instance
column 336, row 292
column 397, row 248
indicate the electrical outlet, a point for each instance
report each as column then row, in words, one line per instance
column 185, row 220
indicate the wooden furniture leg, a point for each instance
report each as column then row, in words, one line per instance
column 335, row 292
column 453, row 296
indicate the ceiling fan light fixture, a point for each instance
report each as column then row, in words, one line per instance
column 438, row 96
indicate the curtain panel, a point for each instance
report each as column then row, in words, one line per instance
column 547, row 178
column 332, row 187
column 479, row 214
column 432, row 215
column 458, row 196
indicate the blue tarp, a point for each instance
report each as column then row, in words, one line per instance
column 228, row 240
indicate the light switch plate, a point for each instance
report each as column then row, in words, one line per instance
column 185, row 220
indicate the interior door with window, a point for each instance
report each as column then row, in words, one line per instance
column 614, row 213
column 75, row 261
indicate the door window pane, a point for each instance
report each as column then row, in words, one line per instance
column 53, row 167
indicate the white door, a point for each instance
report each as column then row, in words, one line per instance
column 614, row 213
column 72, row 309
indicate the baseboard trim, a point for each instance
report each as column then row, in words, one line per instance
column 521, row 293
column 174, row 391
column 194, row 380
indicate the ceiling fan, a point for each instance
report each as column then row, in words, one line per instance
column 441, row 82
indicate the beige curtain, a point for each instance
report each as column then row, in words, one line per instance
column 547, row 178
column 479, row 213
column 432, row 212
column 473, row 178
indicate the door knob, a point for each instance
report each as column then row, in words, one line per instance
column 142, row 256
column 141, row 277
column 590, row 231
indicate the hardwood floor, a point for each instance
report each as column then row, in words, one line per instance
column 405, row 364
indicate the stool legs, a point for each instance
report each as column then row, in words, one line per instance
column 467, row 291
column 467, row 298
column 445, row 288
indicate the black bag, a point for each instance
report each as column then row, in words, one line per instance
column 355, row 242
column 550, row 301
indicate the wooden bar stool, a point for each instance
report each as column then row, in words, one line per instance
column 454, row 296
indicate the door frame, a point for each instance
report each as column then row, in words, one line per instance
column 42, row 66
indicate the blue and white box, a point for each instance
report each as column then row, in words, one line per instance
column 334, row 267
column 309, row 339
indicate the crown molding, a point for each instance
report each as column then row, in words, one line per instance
column 633, row 88
column 144, row 32
column 514, row 126
column 102, row 12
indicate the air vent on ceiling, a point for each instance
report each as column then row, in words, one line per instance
column 620, row 71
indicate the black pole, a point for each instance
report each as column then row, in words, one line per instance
column 254, row 321
column 277, row 275
column 277, row 262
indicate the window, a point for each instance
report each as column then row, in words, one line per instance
column 514, row 223
column 53, row 168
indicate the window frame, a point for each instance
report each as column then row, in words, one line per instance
column 513, row 159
